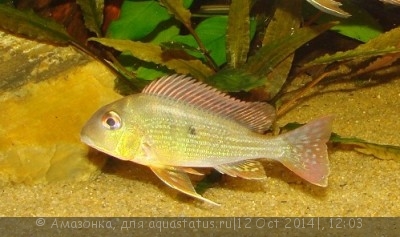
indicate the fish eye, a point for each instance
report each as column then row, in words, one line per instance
column 111, row 120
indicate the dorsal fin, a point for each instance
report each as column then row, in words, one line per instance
column 258, row 116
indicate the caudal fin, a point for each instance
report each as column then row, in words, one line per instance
column 309, row 156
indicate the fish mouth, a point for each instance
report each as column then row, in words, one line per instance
column 87, row 141
column 92, row 144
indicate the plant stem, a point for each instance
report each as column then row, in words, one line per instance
column 285, row 107
column 203, row 49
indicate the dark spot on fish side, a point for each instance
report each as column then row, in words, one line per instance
column 192, row 131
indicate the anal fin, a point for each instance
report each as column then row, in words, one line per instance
column 248, row 169
column 178, row 179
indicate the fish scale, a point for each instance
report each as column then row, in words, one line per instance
column 216, row 142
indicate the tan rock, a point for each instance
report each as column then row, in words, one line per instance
column 41, row 118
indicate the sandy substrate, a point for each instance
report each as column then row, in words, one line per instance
column 359, row 185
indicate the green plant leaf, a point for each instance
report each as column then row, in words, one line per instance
column 150, row 52
column 234, row 80
column 381, row 45
column 7, row 2
column 93, row 14
column 253, row 73
column 212, row 32
column 360, row 26
column 137, row 20
column 177, row 8
column 238, row 33
column 149, row 73
column 183, row 15
column 30, row 25
column 381, row 62
column 384, row 152
column 275, row 52
column 164, row 32
column 172, row 45
column 287, row 20
column 352, row 54
column 143, row 71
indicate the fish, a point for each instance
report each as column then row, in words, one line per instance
column 177, row 124
column 395, row 2
column 331, row 7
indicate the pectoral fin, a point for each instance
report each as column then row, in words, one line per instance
column 191, row 171
column 177, row 179
column 249, row 169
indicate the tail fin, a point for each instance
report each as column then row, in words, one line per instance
column 309, row 155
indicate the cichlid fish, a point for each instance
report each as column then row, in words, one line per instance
column 332, row 7
column 395, row 2
column 177, row 124
column 329, row 6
